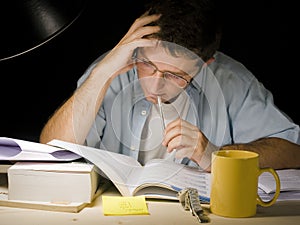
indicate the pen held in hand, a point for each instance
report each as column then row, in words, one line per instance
column 171, row 155
column 161, row 113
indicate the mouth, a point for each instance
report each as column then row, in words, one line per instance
column 153, row 98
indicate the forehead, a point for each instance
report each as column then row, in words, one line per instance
column 171, row 57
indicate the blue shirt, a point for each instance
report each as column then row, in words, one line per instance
column 227, row 103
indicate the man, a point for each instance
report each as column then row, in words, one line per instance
column 209, row 100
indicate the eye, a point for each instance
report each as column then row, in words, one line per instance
column 172, row 76
column 144, row 63
column 147, row 64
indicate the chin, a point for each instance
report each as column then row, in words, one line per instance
column 151, row 99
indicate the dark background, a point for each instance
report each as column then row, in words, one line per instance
column 33, row 85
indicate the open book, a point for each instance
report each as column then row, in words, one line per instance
column 289, row 185
column 289, row 181
column 157, row 179
column 20, row 150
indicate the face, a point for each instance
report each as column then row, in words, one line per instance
column 161, row 74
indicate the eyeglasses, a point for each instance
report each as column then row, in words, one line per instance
column 147, row 67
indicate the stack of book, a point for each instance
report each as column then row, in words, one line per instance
column 34, row 175
column 52, row 182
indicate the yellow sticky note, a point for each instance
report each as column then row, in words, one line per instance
column 117, row 206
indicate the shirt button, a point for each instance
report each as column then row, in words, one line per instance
column 132, row 148
column 144, row 112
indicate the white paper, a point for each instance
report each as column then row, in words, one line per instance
column 20, row 150
column 289, row 181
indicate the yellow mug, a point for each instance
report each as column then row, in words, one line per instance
column 234, row 183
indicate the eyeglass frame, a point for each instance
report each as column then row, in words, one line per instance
column 155, row 69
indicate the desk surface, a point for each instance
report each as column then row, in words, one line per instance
column 161, row 213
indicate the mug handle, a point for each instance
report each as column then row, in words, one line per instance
column 277, row 192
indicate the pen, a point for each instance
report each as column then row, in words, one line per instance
column 161, row 113
column 172, row 154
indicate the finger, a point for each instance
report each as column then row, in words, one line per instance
column 179, row 127
column 181, row 141
column 119, row 60
column 184, row 151
column 140, row 33
column 179, row 123
column 121, row 50
column 182, row 123
column 171, row 134
column 172, row 124
column 142, row 21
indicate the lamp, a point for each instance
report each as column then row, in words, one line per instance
column 28, row 24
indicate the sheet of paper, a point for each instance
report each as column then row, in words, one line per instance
column 176, row 176
column 20, row 150
column 284, row 196
column 118, row 206
column 289, row 181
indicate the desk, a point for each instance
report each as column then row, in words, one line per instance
column 161, row 213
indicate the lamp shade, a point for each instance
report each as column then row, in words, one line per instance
column 28, row 24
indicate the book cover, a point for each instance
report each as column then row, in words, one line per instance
column 52, row 182
column 71, row 207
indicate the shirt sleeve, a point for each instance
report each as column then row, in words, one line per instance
column 257, row 116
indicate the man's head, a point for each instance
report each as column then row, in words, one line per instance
column 189, row 35
column 193, row 24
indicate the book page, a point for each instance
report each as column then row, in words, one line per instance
column 21, row 150
column 174, row 175
column 284, row 196
column 289, row 181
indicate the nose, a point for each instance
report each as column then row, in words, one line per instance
column 157, row 81
column 158, row 73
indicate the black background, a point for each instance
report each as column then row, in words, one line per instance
column 33, row 85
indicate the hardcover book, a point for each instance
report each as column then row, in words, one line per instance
column 52, row 182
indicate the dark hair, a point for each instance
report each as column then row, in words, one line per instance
column 193, row 24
